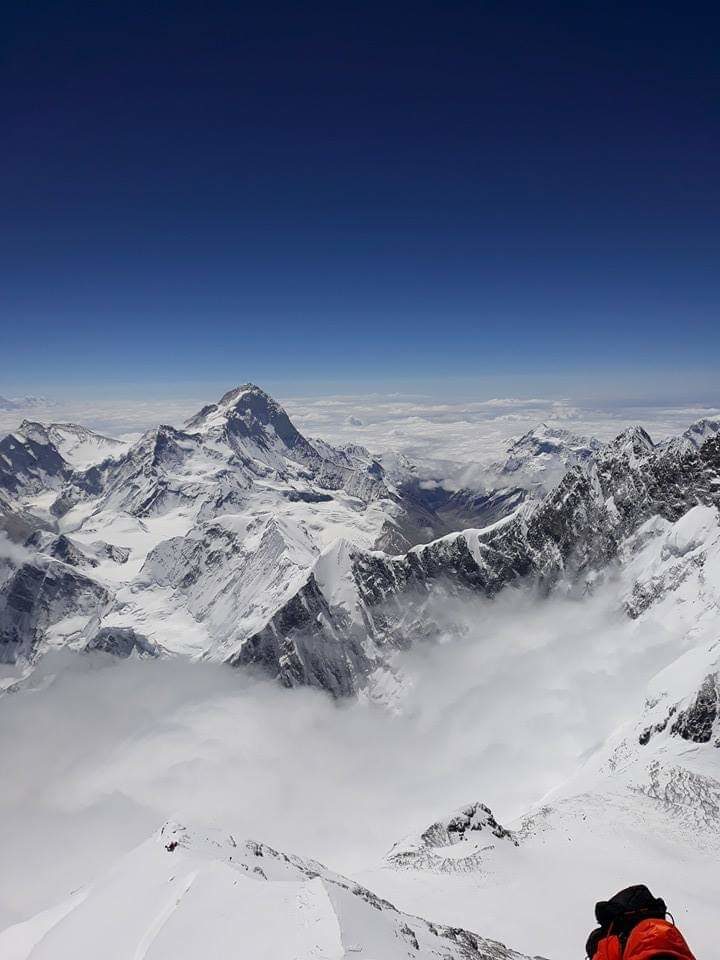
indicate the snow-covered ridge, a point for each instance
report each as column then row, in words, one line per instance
column 185, row 894
column 80, row 446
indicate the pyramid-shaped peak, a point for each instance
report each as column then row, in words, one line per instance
column 248, row 412
column 245, row 389
column 634, row 443
column 635, row 435
column 246, row 397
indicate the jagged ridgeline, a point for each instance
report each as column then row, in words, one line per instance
column 239, row 539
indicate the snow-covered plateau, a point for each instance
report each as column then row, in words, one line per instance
column 227, row 649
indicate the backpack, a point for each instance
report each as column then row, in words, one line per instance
column 633, row 926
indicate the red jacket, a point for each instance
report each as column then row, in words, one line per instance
column 649, row 940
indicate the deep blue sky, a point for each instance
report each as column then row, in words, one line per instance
column 383, row 193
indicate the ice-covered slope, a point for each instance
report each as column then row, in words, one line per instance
column 186, row 895
column 257, row 430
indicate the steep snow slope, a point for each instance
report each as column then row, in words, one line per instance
column 184, row 895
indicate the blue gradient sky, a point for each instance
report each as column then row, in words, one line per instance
column 311, row 195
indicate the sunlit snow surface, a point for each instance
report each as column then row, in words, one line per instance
column 188, row 893
column 532, row 706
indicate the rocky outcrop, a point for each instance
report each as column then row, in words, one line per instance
column 308, row 643
column 28, row 466
column 37, row 597
column 76, row 554
column 121, row 642
column 457, row 844
column 697, row 722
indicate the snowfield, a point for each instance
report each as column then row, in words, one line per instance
column 505, row 700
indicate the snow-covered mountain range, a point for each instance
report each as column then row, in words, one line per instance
column 237, row 539
column 218, row 525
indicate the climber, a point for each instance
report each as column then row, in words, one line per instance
column 633, row 926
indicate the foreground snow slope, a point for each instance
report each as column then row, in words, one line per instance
column 186, row 895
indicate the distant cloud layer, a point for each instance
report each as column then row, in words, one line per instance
column 423, row 427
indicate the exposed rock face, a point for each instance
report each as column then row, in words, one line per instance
column 122, row 642
column 241, row 457
column 302, row 646
column 694, row 437
column 213, row 463
column 62, row 547
column 697, row 722
column 78, row 445
column 150, row 478
column 18, row 523
column 38, row 596
column 457, row 844
column 28, row 467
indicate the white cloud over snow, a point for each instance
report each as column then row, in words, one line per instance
column 500, row 713
column 468, row 431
